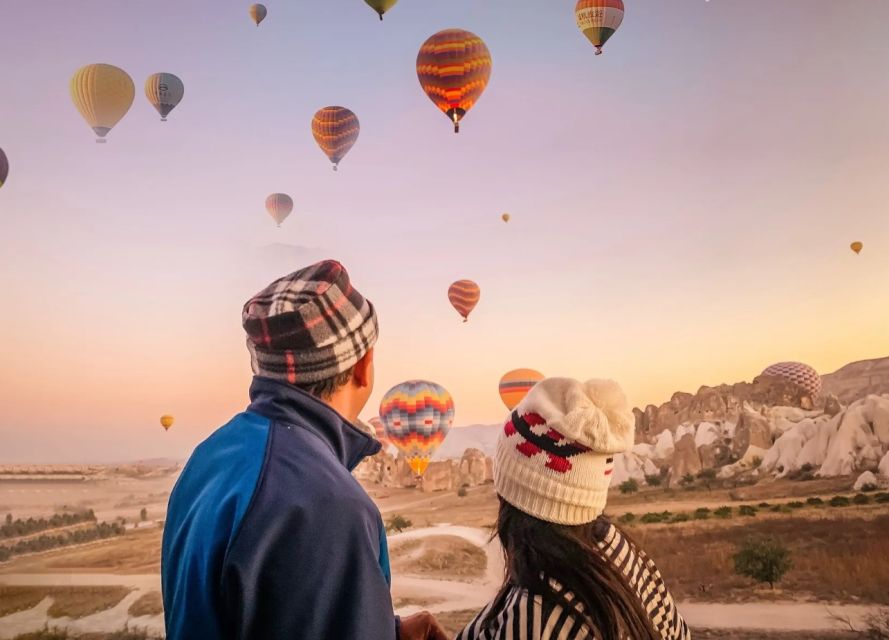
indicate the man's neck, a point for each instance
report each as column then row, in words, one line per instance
column 342, row 403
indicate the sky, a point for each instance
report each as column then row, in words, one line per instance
column 682, row 206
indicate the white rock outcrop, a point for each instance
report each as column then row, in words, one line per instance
column 866, row 479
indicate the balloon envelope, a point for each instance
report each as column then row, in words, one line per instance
column 505, row 217
column 599, row 19
column 4, row 167
column 164, row 91
column 335, row 129
column 454, row 67
column 381, row 6
column 417, row 415
column 103, row 94
column 464, row 295
column 258, row 12
column 279, row 206
column 379, row 430
column 798, row 373
column 167, row 422
column 516, row 384
column 855, row 246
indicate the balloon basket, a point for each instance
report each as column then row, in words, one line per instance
column 101, row 141
column 163, row 119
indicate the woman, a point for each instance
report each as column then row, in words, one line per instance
column 570, row 573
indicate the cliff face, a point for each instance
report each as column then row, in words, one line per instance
column 858, row 379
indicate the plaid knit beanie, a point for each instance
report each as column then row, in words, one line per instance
column 309, row 326
column 555, row 454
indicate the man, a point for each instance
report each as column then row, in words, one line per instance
column 268, row 535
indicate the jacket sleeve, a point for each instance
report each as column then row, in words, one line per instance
column 310, row 571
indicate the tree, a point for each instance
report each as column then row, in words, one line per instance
column 462, row 492
column 763, row 559
column 629, row 486
column 8, row 518
column 397, row 524
column 143, row 514
column 653, row 480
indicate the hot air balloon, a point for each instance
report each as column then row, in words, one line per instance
column 167, row 422
column 599, row 19
column 103, row 94
column 454, row 67
column 798, row 373
column 164, row 91
column 4, row 167
column 336, row 130
column 505, row 217
column 279, row 206
column 258, row 12
column 379, row 431
column 855, row 246
column 381, row 6
column 516, row 384
column 417, row 416
column 464, row 295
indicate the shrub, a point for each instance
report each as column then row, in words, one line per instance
column 653, row 481
column 723, row 512
column 756, row 462
column 747, row 510
column 629, row 486
column 681, row 517
column 627, row 518
column 764, row 505
column 781, row 508
column 764, row 560
column 687, row 480
column 653, row 518
column 462, row 492
column 815, row 502
column 397, row 524
column 707, row 477
column 796, row 504
column 860, row 498
column 143, row 515
column 703, row 513
column 840, row 501
column 869, row 487
column 881, row 498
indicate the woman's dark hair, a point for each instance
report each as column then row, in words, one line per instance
column 537, row 551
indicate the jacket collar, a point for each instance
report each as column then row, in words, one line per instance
column 282, row 402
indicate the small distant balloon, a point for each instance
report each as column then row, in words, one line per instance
column 103, row 94
column 381, row 6
column 454, row 67
column 336, row 130
column 505, row 217
column 167, row 422
column 516, row 384
column 279, row 206
column 464, row 296
column 164, row 91
column 4, row 167
column 258, row 12
column 598, row 20
column 857, row 247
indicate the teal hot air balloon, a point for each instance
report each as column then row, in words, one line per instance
column 164, row 91
column 4, row 168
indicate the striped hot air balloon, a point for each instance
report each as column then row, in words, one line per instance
column 103, row 94
column 798, row 373
column 164, row 91
column 279, row 206
column 335, row 129
column 417, row 415
column 599, row 19
column 454, row 67
column 516, row 384
column 4, row 167
column 464, row 295
column 379, row 431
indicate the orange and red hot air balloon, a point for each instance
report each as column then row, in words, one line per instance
column 417, row 415
column 454, row 67
column 464, row 295
column 335, row 129
column 516, row 384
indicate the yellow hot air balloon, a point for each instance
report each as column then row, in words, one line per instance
column 103, row 94
column 258, row 12
column 505, row 217
column 167, row 422
column 857, row 247
column 381, row 6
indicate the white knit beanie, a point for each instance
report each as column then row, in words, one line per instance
column 555, row 454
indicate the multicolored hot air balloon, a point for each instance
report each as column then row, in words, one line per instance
column 464, row 295
column 454, row 67
column 505, row 217
column 516, row 384
column 855, row 246
column 103, row 94
column 599, row 19
column 164, row 91
column 258, row 12
column 379, row 431
column 335, row 129
column 279, row 206
column 4, row 167
column 167, row 422
column 798, row 373
column 417, row 416
column 381, row 6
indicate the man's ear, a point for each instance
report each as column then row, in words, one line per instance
column 361, row 375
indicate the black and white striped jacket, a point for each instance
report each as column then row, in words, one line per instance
column 527, row 616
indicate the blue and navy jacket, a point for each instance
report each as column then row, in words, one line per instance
column 269, row 536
